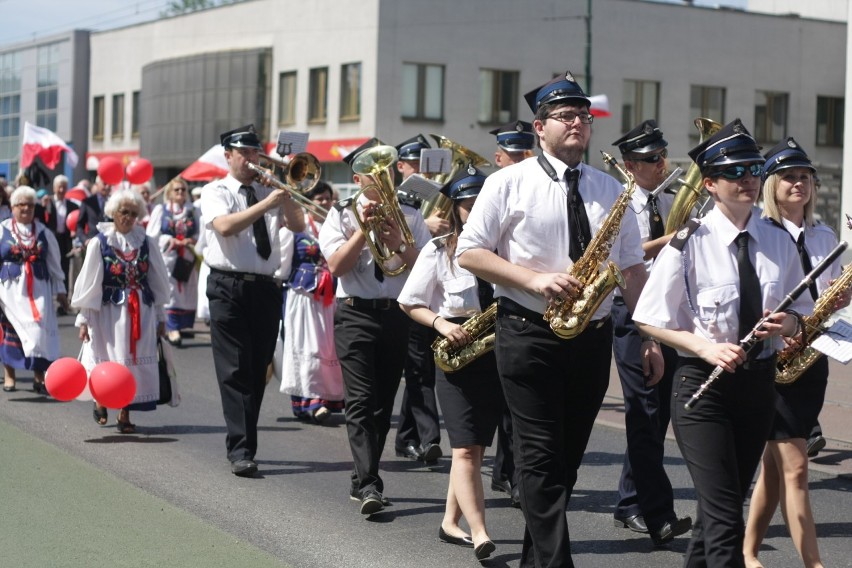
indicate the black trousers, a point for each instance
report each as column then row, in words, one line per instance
column 554, row 389
column 65, row 245
column 504, row 456
column 244, row 319
column 722, row 440
column 418, row 413
column 644, row 488
column 370, row 344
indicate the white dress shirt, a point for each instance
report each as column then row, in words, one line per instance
column 819, row 241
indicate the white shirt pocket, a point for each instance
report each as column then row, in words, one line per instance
column 718, row 308
column 457, row 290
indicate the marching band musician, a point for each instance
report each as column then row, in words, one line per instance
column 371, row 333
column 708, row 288
column 241, row 220
column 515, row 143
column 645, row 495
column 554, row 387
column 440, row 295
column 418, row 435
column 789, row 196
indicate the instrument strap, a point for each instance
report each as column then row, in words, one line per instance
column 547, row 167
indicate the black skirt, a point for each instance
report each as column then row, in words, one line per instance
column 799, row 403
column 472, row 402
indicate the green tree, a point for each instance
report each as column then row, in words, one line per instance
column 177, row 7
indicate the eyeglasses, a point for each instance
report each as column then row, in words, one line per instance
column 568, row 117
column 128, row 213
column 653, row 159
column 737, row 171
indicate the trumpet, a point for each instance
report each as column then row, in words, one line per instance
column 300, row 176
column 375, row 164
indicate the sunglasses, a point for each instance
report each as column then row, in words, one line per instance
column 568, row 117
column 653, row 159
column 738, row 171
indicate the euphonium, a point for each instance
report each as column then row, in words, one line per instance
column 690, row 188
column 461, row 157
column 481, row 328
column 569, row 318
column 796, row 359
column 376, row 165
column 301, row 174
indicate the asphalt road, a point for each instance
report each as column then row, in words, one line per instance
column 76, row 494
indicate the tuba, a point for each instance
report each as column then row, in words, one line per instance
column 375, row 164
column 796, row 359
column 570, row 317
column 461, row 157
column 481, row 328
column 690, row 189
column 300, row 175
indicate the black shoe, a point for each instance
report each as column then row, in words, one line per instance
column 516, row 497
column 60, row 311
column 40, row 388
column 410, row 452
column 10, row 388
column 484, row 550
column 636, row 523
column 354, row 495
column 504, row 486
column 815, row 444
column 371, row 502
column 671, row 529
column 430, row 453
column 244, row 468
column 464, row 541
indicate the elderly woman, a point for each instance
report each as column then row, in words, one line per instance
column 120, row 293
column 30, row 276
column 175, row 226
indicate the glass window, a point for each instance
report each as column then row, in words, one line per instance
column 350, row 91
column 134, row 116
column 829, row 130
column 318, row 109
column 641, row 102
column 498, row 96
column 287, row 98
column 422, row 91
column 770, row 116
column 98, row 118
column 705, row 102
column 117, row 116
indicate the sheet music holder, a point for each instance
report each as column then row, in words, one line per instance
column 419, row 186
column 436, row 161
column 291, row 143
column 836, row 342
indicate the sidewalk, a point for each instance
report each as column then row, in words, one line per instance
column 836, row 419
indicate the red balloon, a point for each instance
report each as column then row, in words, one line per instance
column 139, row 170
column 110, row 170
column 65, row 378
column 112, row 384
column 71, row 220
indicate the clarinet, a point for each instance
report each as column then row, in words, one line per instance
column 750, row 340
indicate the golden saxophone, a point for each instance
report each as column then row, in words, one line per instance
column 691, row 188
column 569, row 318
column 481, row 328
column 796, row 359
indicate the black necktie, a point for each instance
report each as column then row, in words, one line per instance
column 578, row 222
column 655, row 219
column 377, row 271
column 806, row 263
column 750, row 296
column 261, row 236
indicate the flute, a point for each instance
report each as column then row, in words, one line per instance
column 751, row 339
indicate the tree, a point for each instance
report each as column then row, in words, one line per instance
column 178, row 7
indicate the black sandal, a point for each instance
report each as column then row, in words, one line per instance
column 40, row 388
column 100, row 415
column 125, row 427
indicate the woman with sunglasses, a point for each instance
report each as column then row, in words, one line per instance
column 708, row 289
column 120, row 293
column 175, row 226
column 789, row 196
column 30, row 275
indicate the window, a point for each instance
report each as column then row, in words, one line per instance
column 498, row 96
column 47, row 89
column 287, row 98
column 829, row 130
column 318, row 109
column 134, row 116
column 422, row 91
column 770, row 116
column 98, row 118
column 641, row 102
column 705, row 102
column 350, row 91
column 10, row 108
column 117, row 116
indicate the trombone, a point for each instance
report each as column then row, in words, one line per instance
column 301, row 174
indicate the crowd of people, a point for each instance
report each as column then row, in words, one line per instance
column 367, row 291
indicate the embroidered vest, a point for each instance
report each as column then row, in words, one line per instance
column 121, row 276
column 185, row 227
column 13, row 256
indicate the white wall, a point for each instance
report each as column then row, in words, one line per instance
column 819, row 9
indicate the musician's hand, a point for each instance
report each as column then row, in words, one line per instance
column 390, row 234
column 276, row 198
column 556, row 287
column 456, row 334
column 653, row 364
column 726, row 355
column 437, row 226
column 842, row 299
column 369, row 210
column 773, row 324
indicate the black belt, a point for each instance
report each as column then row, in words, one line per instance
column 517, row 310
column 245, row 276
column 369, row 304
column 757, row 365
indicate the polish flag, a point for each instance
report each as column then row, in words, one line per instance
column 211, row 165
column 600, row 105
column 46, row 145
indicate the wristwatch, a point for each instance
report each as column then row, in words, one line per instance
column 402, row 248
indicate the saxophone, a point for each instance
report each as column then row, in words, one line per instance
column 570, row 317
column 796, row 359
column 481, row 328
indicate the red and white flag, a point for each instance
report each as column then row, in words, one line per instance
column 211, row 165
column 46, row 145
column 599, row 105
